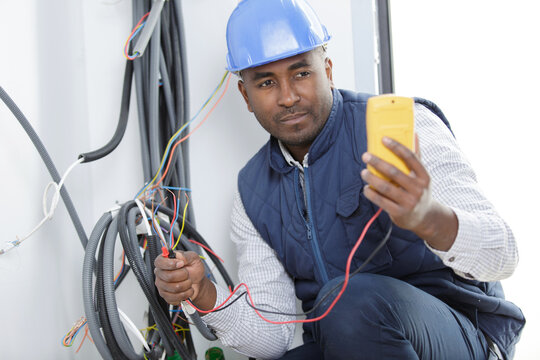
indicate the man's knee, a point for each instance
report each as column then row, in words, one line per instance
column 365, row 294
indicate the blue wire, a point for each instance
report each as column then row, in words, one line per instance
column 177, row 135
column 153, row 222
column 131, row 38
column 175, row 311
column 176, row 188
column 175, row 219
column 75, row 335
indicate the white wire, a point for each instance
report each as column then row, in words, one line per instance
column 160, row 232
column 134, row 330
column 144, row 214
column 48, row 213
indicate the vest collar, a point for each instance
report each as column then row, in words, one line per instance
column 320, row 145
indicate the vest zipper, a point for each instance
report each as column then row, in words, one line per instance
column 311, row 233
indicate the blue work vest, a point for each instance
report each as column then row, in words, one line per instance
column 314, row 236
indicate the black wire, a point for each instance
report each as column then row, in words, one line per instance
column 122, row 121
column 337, row 286
column 232, row 302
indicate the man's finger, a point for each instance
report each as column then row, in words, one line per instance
column 409, row 157
column 168, row 264
column 172, row 276
column 391, row 172
column 188, row 257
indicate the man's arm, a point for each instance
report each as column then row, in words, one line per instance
column 238, row 326
column 442, row 203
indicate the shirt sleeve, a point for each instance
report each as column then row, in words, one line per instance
column 271, row 288
column 485, row 248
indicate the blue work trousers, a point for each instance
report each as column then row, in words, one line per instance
column 379, row 317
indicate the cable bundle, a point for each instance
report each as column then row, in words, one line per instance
column 100, row 303
column 163, row 112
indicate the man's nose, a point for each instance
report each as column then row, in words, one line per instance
column 288, row 95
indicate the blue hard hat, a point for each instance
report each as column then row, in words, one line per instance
column 262, row 31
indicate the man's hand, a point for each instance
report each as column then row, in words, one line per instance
column 407, row 198
column 182, row 278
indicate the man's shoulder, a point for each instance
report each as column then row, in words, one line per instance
column 350, row 96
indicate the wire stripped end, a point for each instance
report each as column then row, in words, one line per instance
column 164, row 251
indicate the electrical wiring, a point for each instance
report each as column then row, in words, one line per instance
column 330, row 307
column 143, row 211
column 134, row 32
column 176, row 206
column 198, row 126
column 48, row 212
column 183, row 223
column 154, row 87
column 177, row 134
column 338, row 285
column 67, row 341
column 38, row 144
column 134, row 330
column 84, row 338
column 208, row 250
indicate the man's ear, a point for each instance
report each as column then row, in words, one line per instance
column 243, row 91
column 328, row 68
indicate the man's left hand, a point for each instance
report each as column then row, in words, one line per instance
column 407, row 198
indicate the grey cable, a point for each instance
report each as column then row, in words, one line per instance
column 202, row 327
column 48, row 163
column 138, row 72
column 153, row 106
column 87, row 275
column 169, row 102
column 185, row 105
column 117, row 327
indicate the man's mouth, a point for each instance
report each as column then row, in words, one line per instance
column 293, row 118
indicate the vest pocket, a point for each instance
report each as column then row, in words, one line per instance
column 354, row 211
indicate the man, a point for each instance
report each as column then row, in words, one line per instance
column 431, row 292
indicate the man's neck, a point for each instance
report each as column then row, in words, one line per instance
column 297, row 152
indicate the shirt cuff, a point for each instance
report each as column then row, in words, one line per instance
column 221, row 321
column 462, row 256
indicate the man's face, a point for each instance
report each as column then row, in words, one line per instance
column 291, row 98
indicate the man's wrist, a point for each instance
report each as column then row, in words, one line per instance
column 206, row 296
column 440, row 228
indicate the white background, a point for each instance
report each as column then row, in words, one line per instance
column 62, row 63
column 479, row 61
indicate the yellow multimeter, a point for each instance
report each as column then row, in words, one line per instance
column 391, row 116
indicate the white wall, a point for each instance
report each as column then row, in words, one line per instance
column 478, row 60
column 62, row 63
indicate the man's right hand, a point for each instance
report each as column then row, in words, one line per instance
column 183, row 277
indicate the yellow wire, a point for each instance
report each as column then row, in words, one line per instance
column 182, row 128
column 179, row 328
column 183, row 223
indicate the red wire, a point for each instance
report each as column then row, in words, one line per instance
column 207, row 249
column 343, row 287
column 192, row 131
column 129, row 38
column 174, row 216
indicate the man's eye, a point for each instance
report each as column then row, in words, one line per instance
column 302, row 74
column 265, row 83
